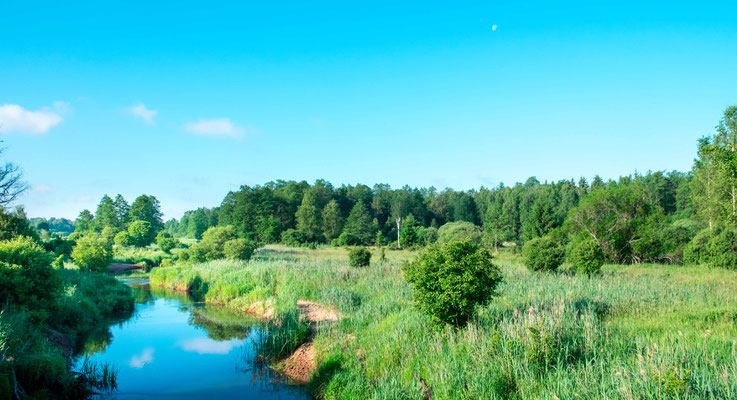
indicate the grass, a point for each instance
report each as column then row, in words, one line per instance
column 632, row 332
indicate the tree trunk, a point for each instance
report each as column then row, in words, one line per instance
column 399, row 226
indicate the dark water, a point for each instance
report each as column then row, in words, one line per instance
column 174, row 348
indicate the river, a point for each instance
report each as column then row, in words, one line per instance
column 173, row 347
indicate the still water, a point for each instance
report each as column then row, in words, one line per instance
column 174, row 348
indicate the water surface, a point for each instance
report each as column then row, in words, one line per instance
column 173, row 347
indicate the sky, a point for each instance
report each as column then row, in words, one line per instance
column 189, row 100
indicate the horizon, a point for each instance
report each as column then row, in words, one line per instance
column 187, row 105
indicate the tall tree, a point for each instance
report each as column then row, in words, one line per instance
column 308, row 217
column 360, row 224
column 121, row 209
column 84, row 221
column 147, row 208
column 106, row 215
column 11, row 182
column 332, row 220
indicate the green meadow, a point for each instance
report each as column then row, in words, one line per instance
column 633, row 331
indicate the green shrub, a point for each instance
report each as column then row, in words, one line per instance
column 348, row 239
column 92, row 253
column 166, row 242
column 543, row 254
column 122, row 239
column 452, row 280
column 141, row 233
column 722, row 249
column 211, row 247
column 108, row 234
column 359, row 257
column 294, row 238
column 459, row 232
column 26, row 276
column 239, row 249
column 696, row 251
column 587, row 257
column 427, row 236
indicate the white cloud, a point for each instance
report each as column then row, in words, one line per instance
column 41, row 188
column 140, row 111
column 14, row 118
column 217, row 127
column 493, row 27
column 209, row 346
column 139, row 360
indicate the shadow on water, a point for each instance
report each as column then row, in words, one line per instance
column 175, row 347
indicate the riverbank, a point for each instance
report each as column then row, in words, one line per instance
column 647, row 331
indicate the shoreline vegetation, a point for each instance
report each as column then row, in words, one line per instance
column 635, row 331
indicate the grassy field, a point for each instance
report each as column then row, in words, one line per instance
column 633, row 332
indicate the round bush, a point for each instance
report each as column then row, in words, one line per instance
column 92, row 253
column 543, row 254
column 348, row 239
column 141, row 233
column 452, row 280
column 696, row 251
column 122, row 239
column 359, row 257
column 587, row 257
column 26, row 275
column 166, row 242
column 239, row 249
column 459, row 232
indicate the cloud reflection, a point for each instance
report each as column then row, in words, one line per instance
column 209, row 346
column 139, row 360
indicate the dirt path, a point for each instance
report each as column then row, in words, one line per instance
column 119, row 268
column 299, row 366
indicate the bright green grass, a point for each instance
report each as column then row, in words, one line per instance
column 633, row 332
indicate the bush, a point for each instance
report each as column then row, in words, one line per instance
column 348, row 239
column 587, row 257
column 696, row 251
column 722, row 249
column 359, row 257
column 239, row 249
column 459, row 232
column 294, row 238
column 26, row 276
column 108, row 234
column 427, row 236
column 141, row 233
column 166, row 242
column 211, row 247
column 543, row 254
column 92, row 253
column 452, row 280
column 122, row 239
column 676, row 237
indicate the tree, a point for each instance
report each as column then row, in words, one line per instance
column 11, row 182
column 212, row 245
column 121, row 211
column 106, row 215
column 332, row 220
column 92, row 253
column 141, row 233
column 587, row 257
column 147, row 208
column 308, row 217
column 409, row 233
column 452, row 280
column 26, row 276
column 14, row 223
column 360, row 225
column 84, row 221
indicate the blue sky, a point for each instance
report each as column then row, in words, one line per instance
column 188, row 100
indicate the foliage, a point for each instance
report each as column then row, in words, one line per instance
column 148, row 209
column 452, row 280
column 359, row 257
column 722, row 249
column 212, row 245
column 14, row 223
column 459, row 231
column 122, row 239
column 543, row 254
column 427, row 236
column 166, row 242
column 26, row 276
column 92, row 253
column 409, row 233
column 239, row 249
column 294, row 237
column 141, row 233
column 587, row 257
column 332, row 220
column 359, row 226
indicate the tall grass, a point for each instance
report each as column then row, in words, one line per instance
column 632, row 332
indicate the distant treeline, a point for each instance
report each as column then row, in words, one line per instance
column 53, row 225
column 637, row 218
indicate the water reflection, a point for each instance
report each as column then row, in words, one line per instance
column 174, row 347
